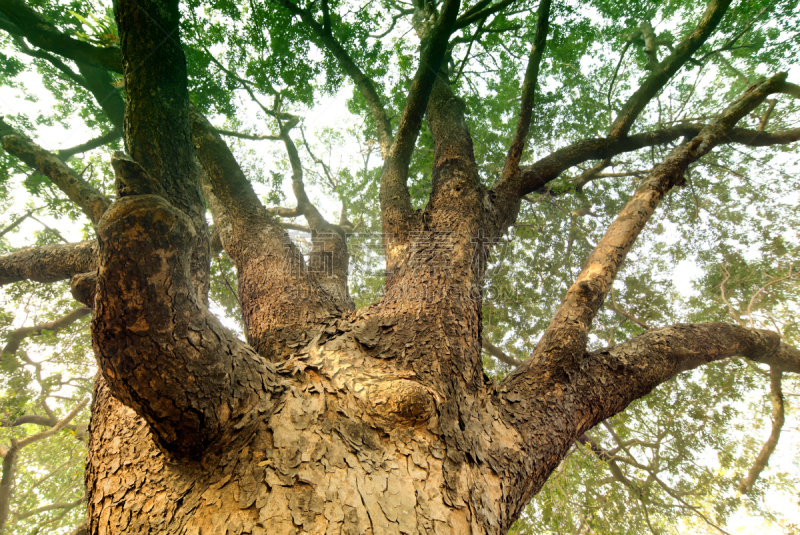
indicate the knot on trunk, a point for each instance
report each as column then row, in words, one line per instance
column 83, row 287
column 132, row 179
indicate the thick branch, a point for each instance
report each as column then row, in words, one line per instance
column 528, row 90
column 329, row 256
column 91, row 201
column 16, row 35
column 776, row 398
column 99, row 83
column 667, row 69
column 7, row 483
column 160, row 349
column 230, row 184
column 39, row 32
column 270, row 269
column 157, row 132
column 565, row 339
column 93, row 76
column 536, row 176
column 48, row 263
column 790, row 89
column 396, row 209
column 480, row 11
column 786, row 359
column 151, row 320
column 650, row 47
column 561, row 387
column 660, row 354
column 560, row 406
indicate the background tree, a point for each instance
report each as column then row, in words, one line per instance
column 359, row 401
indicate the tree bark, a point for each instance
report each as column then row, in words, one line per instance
column 48, row 263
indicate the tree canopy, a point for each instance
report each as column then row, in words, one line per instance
column 570, row 107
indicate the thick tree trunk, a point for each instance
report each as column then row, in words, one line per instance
column 353, row 447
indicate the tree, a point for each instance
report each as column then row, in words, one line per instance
column 337, row 418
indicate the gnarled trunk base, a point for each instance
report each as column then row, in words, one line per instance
column 355, row 448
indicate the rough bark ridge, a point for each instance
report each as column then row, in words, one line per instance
column 330, row 420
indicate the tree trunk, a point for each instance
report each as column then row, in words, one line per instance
column 352, row 447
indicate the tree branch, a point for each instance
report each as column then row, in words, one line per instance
column 153, row 322
column 667, row 69
column 536, row 176
column 613, row 306
column 41, row 54
column 395, row 200
column 329, row 254
column 230, row 185
column 50, row 507
column 55, row 429
column 499, row 354
column 776, row 397
column 93, row 76
column 153, row 325
column 157, row 132
column 10, row 459
column 591, row 388
column 480, row 11
column 267, row 261
column 650, row 47
column 528, row 90
column 92, row 144
column 14, row 224
column 565, row 339
column 609, row 459
column 7, row 483
column 793, row 90
column 240, row 135
column 48, row 263
column 610, row 379
column 92, row 202
column 16, row 336
column 325, row 39
column 36, row 29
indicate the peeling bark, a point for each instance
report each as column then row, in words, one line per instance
column 48, row 263
column 283, row 303
column 148, row 322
